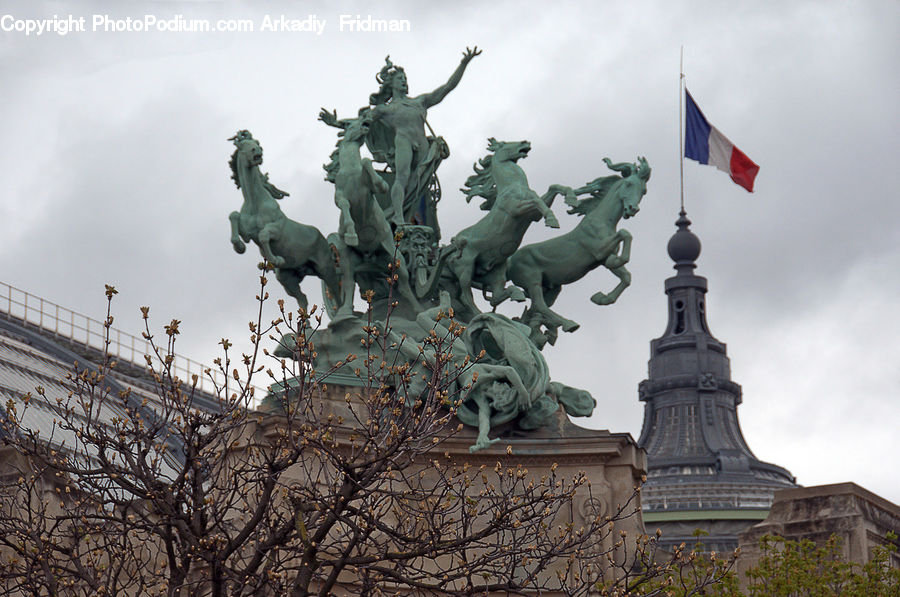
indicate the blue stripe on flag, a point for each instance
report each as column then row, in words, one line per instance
column 696, row 132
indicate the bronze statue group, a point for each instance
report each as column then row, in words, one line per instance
column 388, row 245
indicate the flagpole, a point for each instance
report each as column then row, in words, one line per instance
column 681, row 123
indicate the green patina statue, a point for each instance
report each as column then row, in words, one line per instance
column 364, row 240
column 293, row 249
column 510, row 382
column 387, row 246
column 400, row 141
column 543, row 268
column 512, row 206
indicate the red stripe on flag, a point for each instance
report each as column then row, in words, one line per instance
column 743, row 170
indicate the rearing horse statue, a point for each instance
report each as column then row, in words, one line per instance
column 294, row 249
column 543, row 268
column 512, row 206
column 364, row 239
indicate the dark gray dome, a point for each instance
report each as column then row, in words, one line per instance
column 700, row 470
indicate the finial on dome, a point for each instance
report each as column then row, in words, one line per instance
column 684, row 246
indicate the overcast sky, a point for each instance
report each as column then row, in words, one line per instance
column 115, row 171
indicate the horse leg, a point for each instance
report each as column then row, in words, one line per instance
column 236, row 242
column 541, row 299
column 550, row 295
column 269, row 233
column 347, row 227
column 290, row 279
column 349, row 261
column 463, row 267
column 495, row 281
column 324, row 267
column 623, row 255
column 376, row 183
column 527, row 206
column 557, row 189
column 624, row 277
column 533, row 320
column 526, row 273
column 546, row 201
column 549, row 219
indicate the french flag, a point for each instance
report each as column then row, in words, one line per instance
column 704, row 143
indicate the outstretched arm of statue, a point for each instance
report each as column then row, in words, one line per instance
column 436, row 96
column 329, row 118
column 484, row 422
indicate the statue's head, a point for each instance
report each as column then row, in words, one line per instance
column 248, row 152
column 398, row 82
column 392, row 79
column 633, row 185
column 628, row 187
column 355, row 129
column 482, row 184
column 248, row 147
column 241, row 135
column 508, row 151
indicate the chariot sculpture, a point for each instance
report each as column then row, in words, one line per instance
column 387, row 229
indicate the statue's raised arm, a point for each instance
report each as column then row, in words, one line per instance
column 435, row 97
column 397, row 136
column 329, row 118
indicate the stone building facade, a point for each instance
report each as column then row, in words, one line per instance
column 858, row 517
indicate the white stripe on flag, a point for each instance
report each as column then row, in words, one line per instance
column 719, row 150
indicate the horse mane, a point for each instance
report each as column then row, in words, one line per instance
column 274, row 191
column 332, row 167
column 481, row 184
column 232, row 163
column 598, row 189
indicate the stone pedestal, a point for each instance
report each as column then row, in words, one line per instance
column 612, row 462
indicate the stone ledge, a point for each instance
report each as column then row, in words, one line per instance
column 836, row 489
column 860, row 518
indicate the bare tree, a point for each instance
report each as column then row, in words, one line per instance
column 335, row 490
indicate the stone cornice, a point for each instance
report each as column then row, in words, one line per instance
column 704, row 382
column 561, row 441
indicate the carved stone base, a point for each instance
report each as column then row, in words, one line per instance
column 612, row 462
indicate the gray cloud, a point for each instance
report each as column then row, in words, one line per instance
column 115, row 165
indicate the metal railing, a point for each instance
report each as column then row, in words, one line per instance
column 65, row 323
